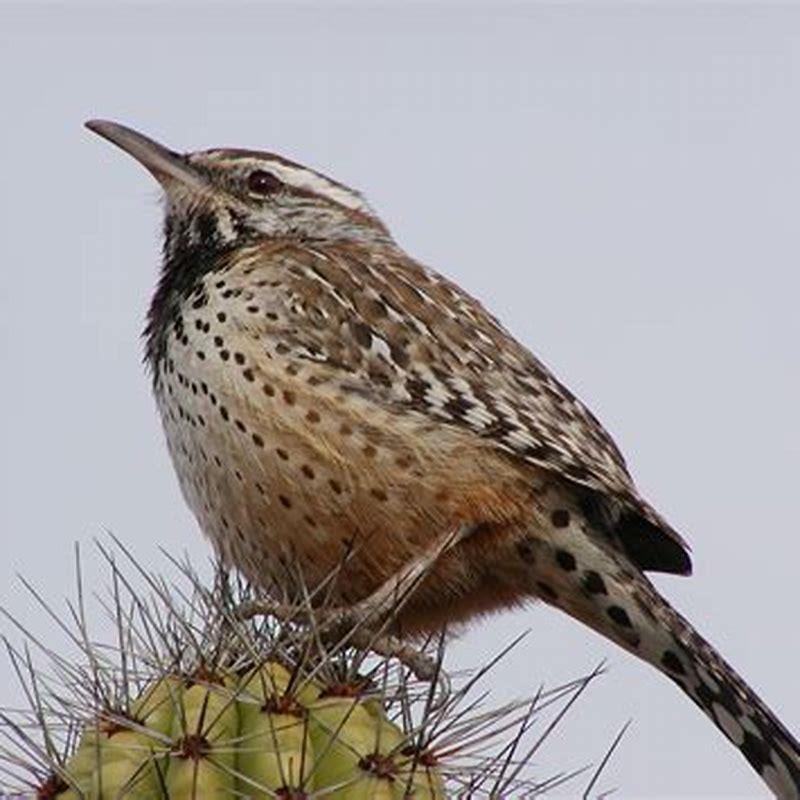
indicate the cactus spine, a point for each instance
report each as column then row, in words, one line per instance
column 196, row 700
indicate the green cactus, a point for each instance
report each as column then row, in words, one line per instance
column 200, row 699
column 253, row 736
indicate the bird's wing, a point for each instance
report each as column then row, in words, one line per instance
column 402, row 334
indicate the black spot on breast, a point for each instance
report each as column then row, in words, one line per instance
column 560, row 518
column 193, row 248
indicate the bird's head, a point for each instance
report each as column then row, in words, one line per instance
column 224, row 197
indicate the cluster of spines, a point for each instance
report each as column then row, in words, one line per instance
column 193, row 701
column 228, row 735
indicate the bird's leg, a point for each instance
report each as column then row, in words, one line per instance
column 421, row 665
column 363, row 624
column 395, row 592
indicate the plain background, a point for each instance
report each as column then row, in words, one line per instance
column 619, row 183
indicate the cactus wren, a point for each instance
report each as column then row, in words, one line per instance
column 321, row 391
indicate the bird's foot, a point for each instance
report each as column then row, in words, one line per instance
column 346, row 627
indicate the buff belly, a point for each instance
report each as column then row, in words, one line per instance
column 279, row 473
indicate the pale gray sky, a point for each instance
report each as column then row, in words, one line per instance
column 620, row 184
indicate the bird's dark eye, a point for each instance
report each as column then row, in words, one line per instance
column 262, row 182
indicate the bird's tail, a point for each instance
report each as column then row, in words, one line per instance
column 594, row 582
column 680, row 652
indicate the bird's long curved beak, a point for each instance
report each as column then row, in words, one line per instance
column 164, row 164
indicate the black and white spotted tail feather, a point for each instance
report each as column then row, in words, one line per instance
column 732, row 705
column 583, row 575
column 670, row 643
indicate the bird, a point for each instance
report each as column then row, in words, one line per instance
column 323, row 393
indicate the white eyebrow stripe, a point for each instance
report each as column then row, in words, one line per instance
column 319, row 184
column 301, row 178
